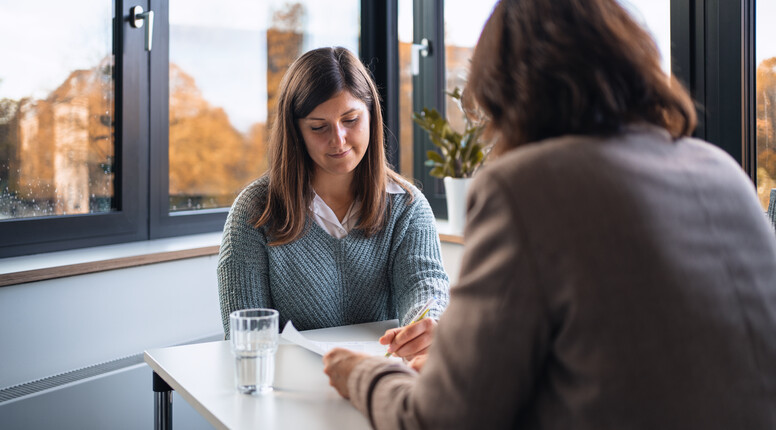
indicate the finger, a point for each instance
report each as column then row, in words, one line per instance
column 415, row 346
column 389, row 335
column 411, row 332
column 417, row 356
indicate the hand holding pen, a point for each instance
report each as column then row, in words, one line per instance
column 414, row 339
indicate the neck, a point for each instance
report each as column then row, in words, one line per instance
column 336, row 190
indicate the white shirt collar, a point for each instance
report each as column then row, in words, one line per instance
column 324, row 216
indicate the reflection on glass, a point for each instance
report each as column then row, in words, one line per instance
column 225, row 69
column 765, row 111
column 56, row 109
column 405, row 88
column 463, row 24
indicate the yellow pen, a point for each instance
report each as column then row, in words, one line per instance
column 421, row 314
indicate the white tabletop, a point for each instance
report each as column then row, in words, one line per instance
column 203, row 374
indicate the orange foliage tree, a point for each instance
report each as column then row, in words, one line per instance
column 209, row 159
column 766, row 133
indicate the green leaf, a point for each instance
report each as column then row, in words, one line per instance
column 437, row 172
column 457, row 154
column 435, row 156
column 478, row 157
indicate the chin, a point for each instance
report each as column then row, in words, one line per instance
column 343, row 168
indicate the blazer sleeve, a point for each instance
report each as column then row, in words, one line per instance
column 243, row 280
column 417, row 271
column 491, row 341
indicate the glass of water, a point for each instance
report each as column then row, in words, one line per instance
column 254, row 334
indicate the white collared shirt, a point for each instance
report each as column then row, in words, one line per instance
column 324, row 216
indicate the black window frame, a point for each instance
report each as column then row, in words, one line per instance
column 714, row 56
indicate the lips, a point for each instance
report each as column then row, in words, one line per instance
column 339, row 154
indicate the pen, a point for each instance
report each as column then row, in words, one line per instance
column 420, row 315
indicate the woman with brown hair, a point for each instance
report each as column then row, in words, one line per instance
column 331, row 235
column 617, row 272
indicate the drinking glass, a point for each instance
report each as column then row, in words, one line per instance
column 254, row 334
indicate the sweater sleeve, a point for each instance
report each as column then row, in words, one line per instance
column 242, row 262
column 417, row 270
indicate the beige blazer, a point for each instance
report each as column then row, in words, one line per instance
column 620, row 283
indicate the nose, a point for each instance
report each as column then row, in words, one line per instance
column 340, row 135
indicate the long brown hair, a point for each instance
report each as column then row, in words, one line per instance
column 546, row 68
column 312, row 79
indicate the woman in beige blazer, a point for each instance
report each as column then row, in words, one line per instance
column 618, row 274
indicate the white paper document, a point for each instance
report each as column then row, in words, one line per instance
column 291, row 334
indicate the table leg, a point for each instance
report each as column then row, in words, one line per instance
column 162, row 404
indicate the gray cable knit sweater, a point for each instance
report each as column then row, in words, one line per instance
column 320, row 281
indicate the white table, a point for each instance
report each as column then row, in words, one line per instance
column 203, row 374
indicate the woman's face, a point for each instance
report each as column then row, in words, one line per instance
column 336, row 134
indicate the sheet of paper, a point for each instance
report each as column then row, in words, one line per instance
column 291, row 334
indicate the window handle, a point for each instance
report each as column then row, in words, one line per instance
column 422, row 49
column 137, row 17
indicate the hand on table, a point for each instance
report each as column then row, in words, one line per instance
column 410, row 341
column 337, row 364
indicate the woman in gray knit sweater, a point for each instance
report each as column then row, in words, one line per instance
column 331, row 235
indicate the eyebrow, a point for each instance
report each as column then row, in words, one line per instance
column 324, row 119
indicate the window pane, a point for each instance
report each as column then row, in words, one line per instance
column 56, row 108
column 463, row 24
column 655, row 16
column 765, row 151
column 225, row 68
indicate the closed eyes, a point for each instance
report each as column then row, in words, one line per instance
column 349, row 121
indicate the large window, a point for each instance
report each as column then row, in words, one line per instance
column 103, row 141
column 219, row 75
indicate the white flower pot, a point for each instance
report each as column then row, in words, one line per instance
column 455, row 192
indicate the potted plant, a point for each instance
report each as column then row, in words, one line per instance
column 458, row 155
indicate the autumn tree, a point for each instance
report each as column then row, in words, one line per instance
column 766, row 133
column 284, row 45
column 210, row 161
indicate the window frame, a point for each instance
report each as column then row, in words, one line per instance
column 428, row 92
column 127, row 222
column 713, row 54
column 163, row 223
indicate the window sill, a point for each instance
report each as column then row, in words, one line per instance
column 30, row 268
column 448, row 235
column 39, row 267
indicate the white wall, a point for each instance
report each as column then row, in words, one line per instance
column 58, row 325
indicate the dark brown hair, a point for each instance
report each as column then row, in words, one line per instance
column 545, row 68
column 312, row 79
